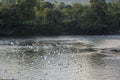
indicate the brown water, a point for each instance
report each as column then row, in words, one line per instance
column 60, row 58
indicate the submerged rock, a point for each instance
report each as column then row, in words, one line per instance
column 110, row 51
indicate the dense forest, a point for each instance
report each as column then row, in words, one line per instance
column 37, row 17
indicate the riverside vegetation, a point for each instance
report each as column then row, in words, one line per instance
column 37, row 17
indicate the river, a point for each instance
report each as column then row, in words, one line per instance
column 60, row 58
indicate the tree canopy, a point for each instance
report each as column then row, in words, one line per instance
column 37, row 17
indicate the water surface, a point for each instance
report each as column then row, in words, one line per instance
column 60, row 58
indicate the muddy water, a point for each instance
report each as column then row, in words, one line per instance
column 60, row 58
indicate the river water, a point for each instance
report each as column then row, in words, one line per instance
column 60, row 58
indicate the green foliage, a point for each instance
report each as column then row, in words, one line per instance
column 37, row 17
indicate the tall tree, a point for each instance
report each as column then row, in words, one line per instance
column 99, row 7
column 98, row 4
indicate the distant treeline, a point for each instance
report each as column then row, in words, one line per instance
column 36, row 17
